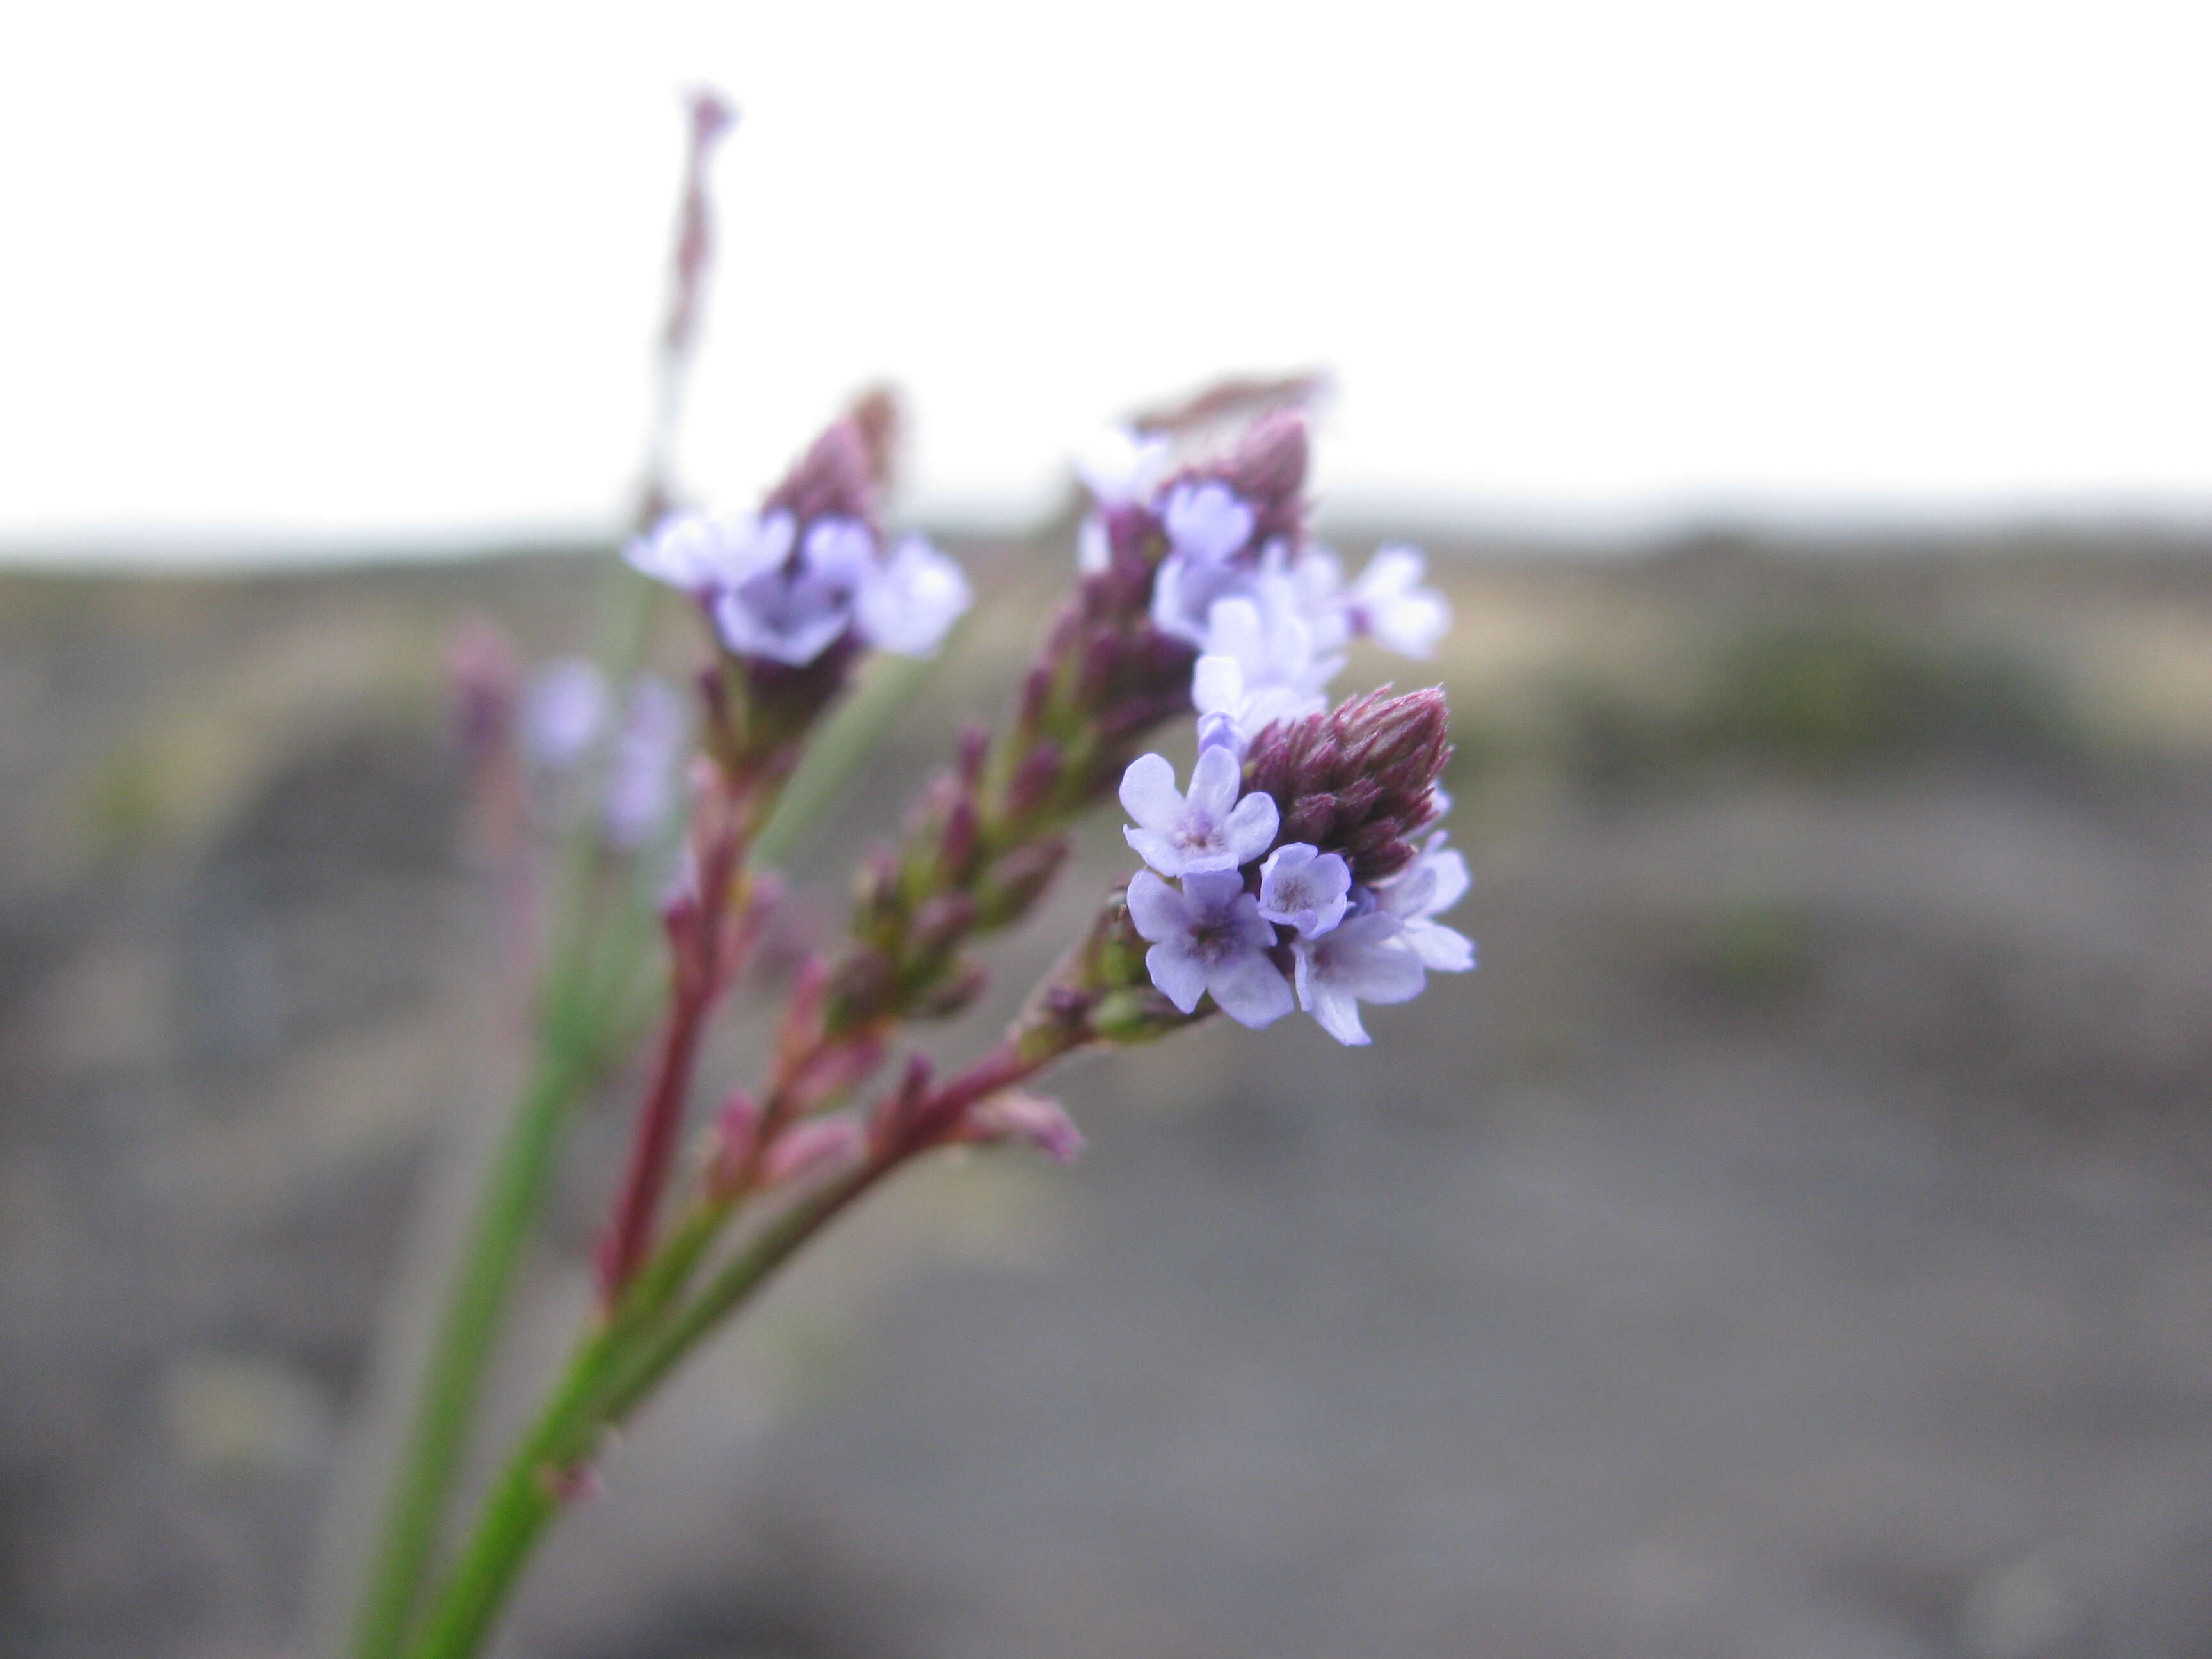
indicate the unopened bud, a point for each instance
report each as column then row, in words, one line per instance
column 1034, row 781
column 956, row 842
column 735, row 1126
column 812, row 1148
column 1268, row 470
column 940, row 924
column 955, row 992
column 1016, row 882
column 1137, row 1014
column 1041, row 1123
column 879, row 905
column 834, row 478
column 975, row 748
column 859, row 992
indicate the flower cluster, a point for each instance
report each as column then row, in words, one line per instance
column 787, row 590
column 1269, row 611
column 795, row 591
column 1238, row 907
column 568, row 709
column 1274, row 881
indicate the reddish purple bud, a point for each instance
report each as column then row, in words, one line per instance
column 955, row 991
column 1034, row 781
column 735, row 1127
column 1010, row 886
column 956, row 842
column 1041, row 1123
column 833, row 479
column 813, row 1148
column 1036, row 696
column 974, row 749
column 1267, row 468
column 858, row 992
column 1357, row 781
column 940, row 924
column 832, row 1071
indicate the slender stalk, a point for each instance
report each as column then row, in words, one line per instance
column 604, row 1383
column 573, row 1044
column 467, row 1330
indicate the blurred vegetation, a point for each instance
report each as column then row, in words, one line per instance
column 1817, row 695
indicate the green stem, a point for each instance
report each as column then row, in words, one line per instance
column 468, row 1327
column 606, row 1381
column 572, row 1046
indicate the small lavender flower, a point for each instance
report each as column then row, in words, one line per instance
column 1304, row 888
column 1389, row 602
column 563, row 711
column 1278, row 675
column 1207, row 521
column 704, row 556
column 1211, row 829
column 1432, row 883
column 793, row 612
column 790, row 614
column 1185, row 589
column 910, row 604
column 1364, row 959
column 1209, row 937
column 641, row 773
column 1122, row 467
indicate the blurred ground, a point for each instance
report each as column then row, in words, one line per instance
column 1793, row 1242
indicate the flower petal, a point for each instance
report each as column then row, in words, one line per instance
column 1148, row 793
column 1156, row 907
column 1250, row 826
column 1178, row 973
column 1214, row 783
column 1251, row 990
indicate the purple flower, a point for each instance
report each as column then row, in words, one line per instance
column 1435, row 881
column 1208, row 522
column 642, row 770
column 1211, row 829
column 563, row 710
column 1361, row 960
column 1310, row 584
column 1259, row 666
column 1389, row 602
column 793, row 611
column 1121, row 467
column 909, row 605
column 1209, row 937
column 1185, row 589
column 1304, row 888
column 702, row 555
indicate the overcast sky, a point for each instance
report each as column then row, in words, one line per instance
column 394, row 269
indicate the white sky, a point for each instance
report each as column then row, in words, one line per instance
column 286, row 269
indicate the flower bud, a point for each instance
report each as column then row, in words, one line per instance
column 859, row 992
column 1016, row 882
column 1267, row 468
column 1044, row 1124
column 1358, row 780
column 812, row 1148
column 956, row 841
column 1137, row 1014
column 1034, row 781
column 834, row 478
column 955, row 990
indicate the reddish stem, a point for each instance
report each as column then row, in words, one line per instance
column 652, row 1149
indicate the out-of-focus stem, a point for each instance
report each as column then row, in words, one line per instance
column 599, row 1389
column 619, row 1368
